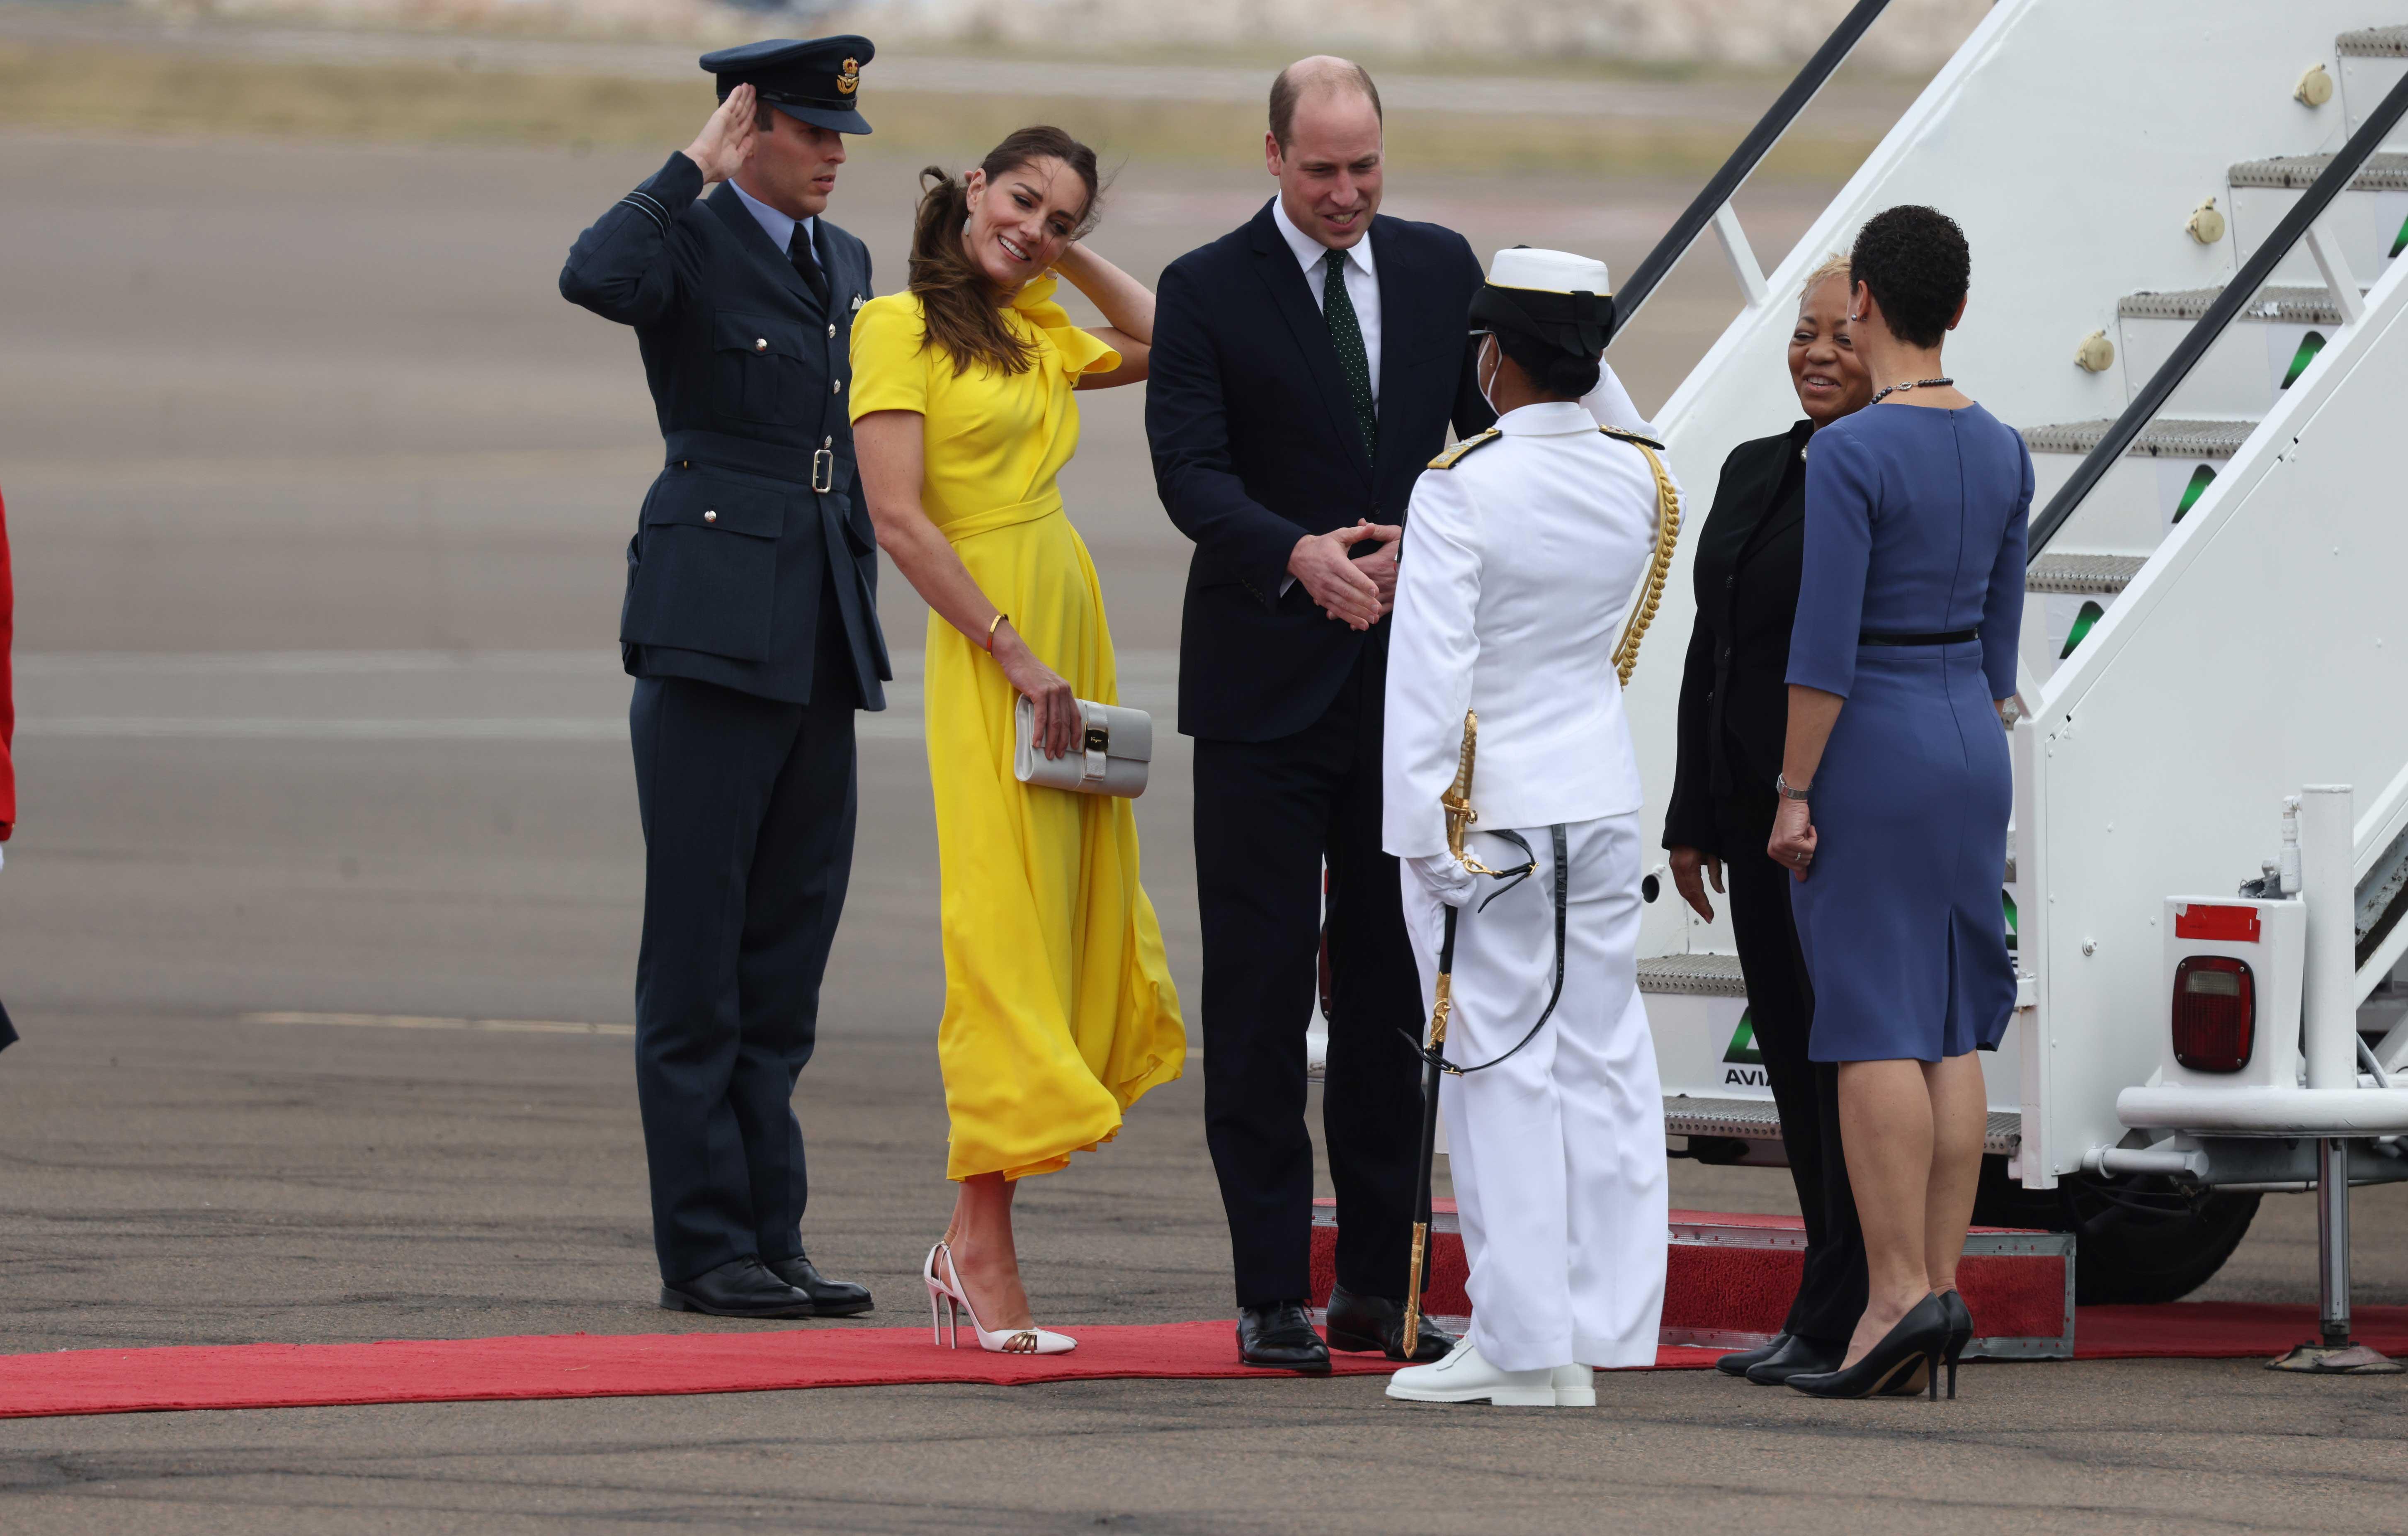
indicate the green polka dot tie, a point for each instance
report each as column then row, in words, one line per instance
column 1346, row 335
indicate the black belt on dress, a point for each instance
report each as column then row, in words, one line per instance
column 1891, row 637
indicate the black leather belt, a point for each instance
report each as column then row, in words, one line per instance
column 1891, row 637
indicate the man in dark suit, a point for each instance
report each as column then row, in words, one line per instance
column 1305, row 369
column 751, row 626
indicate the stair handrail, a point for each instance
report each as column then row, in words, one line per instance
column 2237, row 296
column 1743, row 160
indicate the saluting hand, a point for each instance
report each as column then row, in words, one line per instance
column 726, row 143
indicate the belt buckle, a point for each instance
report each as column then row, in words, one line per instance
column 823, row 470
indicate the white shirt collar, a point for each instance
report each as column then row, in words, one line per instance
column 1546, row 418
column 1310, row 250
column 778, row 227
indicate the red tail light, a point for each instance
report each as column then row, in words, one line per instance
column 2216, row 1013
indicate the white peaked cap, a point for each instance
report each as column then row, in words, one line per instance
column 1548, row 272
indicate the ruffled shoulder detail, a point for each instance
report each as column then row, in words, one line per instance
column 1080, row 350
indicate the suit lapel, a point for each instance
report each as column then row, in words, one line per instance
column 1397, row 316
column 1773, row 515
column 1277, row 266
column 749, row 234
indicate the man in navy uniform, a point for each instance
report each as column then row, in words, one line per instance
column 750, row 628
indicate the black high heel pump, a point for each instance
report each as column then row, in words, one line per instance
column 1960, row 1333
column 1920, row 1339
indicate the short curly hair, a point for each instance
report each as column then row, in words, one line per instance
column 1916, row 263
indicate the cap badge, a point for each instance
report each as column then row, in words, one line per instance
column 848, row 80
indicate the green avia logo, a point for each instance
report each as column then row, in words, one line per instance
column 2091, row 613
column 2399, row 241
column 2310, row 344
column 2204, row 476
column 1743, row 1051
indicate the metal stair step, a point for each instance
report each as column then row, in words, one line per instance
column 1758, row 1120
column 2162, row 439
column 2274, row 302
column 1693, row 975
column 2088, row 575
column 2374, row 43
column 2296, row 172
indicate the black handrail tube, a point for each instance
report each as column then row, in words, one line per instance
column 2237, row 296
column 1742, row 162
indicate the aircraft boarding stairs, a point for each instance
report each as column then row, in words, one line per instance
column 2120, row 523
column 2213, row 386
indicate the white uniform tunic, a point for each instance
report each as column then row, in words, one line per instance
column 1519, row 564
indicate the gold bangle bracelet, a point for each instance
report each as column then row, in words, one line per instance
column 993, row 624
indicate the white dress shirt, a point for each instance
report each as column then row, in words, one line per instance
column 1518, row 566
column 1362, row 280
column 780, row 228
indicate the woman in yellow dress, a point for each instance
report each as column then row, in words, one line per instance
column 1059, row 1008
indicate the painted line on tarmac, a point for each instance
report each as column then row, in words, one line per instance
column 411, row 1021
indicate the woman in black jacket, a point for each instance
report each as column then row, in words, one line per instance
column 1734, row 711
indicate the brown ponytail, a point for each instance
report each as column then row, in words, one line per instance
column 958, row 302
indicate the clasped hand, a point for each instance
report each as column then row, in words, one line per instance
column 1355, row 593
column 1444, row 878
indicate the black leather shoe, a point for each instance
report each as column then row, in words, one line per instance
column 1737, row 1362
column 741, row 1288
column 1280, row 1337
column 829, row 1297
column 1796, row 1356
column 1361, row 1324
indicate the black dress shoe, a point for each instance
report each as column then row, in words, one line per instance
column 829, row 1297
column 740, row 1287
column 1360, row 1324
column 1737, row 1362
column 1798, row 1356
column 1280, row 1337
column 1911, row 1350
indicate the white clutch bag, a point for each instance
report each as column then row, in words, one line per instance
column 1110, row 756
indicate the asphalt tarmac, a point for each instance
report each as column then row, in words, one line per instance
column 319, row 926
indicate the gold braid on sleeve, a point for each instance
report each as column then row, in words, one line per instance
column 1650, row 595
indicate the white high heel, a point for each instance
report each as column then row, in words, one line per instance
column 947, row 1300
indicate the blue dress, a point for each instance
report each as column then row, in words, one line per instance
column 1915, row 526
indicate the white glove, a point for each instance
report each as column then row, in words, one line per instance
column 1444, row 878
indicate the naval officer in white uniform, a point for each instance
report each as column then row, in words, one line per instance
column 1525, row 550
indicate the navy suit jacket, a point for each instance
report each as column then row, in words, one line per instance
column 1256, row 445
column 748, row 526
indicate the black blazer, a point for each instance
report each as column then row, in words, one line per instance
column 1255, row 446
column 747, row 527
column 1734, row 687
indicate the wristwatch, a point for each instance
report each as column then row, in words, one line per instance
column 1781, row 787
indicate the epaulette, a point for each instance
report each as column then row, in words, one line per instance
column 1632, row 437
column 1448, row 459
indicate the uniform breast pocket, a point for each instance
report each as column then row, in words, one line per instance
column 705, row 574
column 760, row 368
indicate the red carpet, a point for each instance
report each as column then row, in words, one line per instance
column 581, row 1364
column 585, row 1365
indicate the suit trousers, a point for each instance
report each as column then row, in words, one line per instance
column 747, row 809
column 1780, row 1005
column 1558, row 1150
column 1267, row 815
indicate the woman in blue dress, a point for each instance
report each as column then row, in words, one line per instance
column 1895, row 789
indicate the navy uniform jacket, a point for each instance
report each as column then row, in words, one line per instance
column 755, row 519
column 1255, row 446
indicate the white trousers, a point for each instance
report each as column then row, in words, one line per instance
column 1557, row 1152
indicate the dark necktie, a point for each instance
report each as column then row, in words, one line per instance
column 1346, row 335
column 798, row 250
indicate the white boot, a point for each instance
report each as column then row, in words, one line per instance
column 1575, row 1387
column 1463, row 1377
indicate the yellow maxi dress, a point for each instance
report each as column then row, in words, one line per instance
column 1059, row 1007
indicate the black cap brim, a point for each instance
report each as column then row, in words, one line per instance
column 835, row 119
